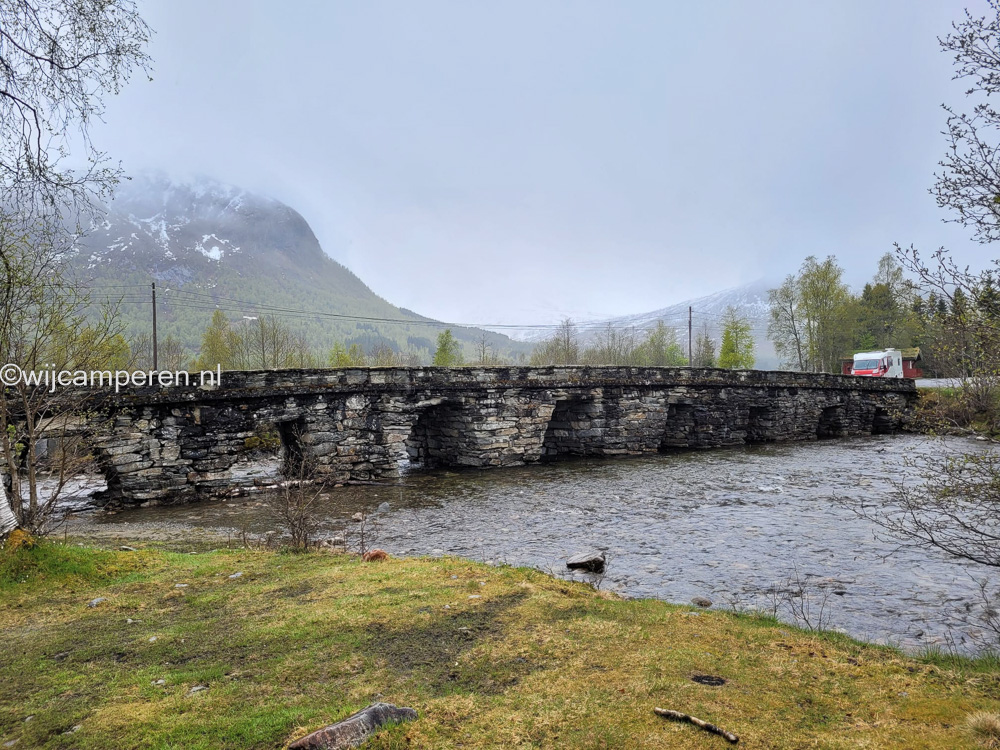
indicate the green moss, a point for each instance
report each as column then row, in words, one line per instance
column 58, row 564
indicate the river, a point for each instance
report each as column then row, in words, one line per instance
column 766, row 526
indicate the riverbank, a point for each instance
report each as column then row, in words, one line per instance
column 489, row 657
column 957, row 410
column 742, row 526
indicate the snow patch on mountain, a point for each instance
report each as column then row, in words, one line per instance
column 215, row 250
column 173, row 222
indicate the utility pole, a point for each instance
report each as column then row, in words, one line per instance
column 690, row 361
column 154, row 326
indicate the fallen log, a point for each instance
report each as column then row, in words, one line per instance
column 355, row 729
column 678, row 716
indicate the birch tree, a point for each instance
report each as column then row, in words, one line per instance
column 59, row 59
column 660, row 348
column 562, row 349
column 825, row 302
column 449, row 351
column 785, row 328
column 46, row 324
column 737, row 350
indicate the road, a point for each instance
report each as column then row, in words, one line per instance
column 939, row 382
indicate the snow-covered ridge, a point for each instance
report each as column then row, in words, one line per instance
column 750, row 300
column 172, row 222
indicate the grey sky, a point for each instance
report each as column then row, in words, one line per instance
column 515, row 162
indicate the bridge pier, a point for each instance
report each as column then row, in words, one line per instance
column 177, row 444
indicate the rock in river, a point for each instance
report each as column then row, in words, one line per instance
column 589, row 561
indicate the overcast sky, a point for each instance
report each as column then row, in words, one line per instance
column 515, row 162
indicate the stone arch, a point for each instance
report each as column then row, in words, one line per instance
column 572, row 427
column 112, row 491
column 679, row 431
column 882, row 421
column 437, row 436
column 761, row 423
column 295, row 459
column 831, row 422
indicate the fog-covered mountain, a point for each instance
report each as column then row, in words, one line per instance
column 750, row 300
column 210, row 246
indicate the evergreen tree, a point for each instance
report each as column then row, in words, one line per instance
column 704, row 349
column 880, row 318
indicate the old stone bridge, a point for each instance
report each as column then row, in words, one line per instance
column 174, row 444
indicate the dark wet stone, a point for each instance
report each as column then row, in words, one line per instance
column 700, row 601
column 592, row 562
column 708, row 679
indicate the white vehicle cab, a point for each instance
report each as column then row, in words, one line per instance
column 887, row 363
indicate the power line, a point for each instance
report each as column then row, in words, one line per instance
column 203, row 301
column 190, row 300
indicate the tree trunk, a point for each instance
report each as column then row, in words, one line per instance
column 8, row 521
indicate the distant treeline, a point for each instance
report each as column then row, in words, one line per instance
column 658, row 346
column 816, row 321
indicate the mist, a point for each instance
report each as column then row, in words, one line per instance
column 526, row 161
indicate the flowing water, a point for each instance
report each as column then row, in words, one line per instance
column 765, row 526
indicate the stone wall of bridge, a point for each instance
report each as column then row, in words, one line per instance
column 175, row 444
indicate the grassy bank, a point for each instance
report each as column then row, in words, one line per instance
column 489, row 657
column 958, row 411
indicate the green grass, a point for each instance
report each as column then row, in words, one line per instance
column 489, row 657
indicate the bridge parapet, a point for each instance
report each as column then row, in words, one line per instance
column 237, row 384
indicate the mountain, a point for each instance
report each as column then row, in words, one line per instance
column 211, row 246
column 750, row 300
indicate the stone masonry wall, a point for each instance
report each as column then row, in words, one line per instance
column 175, row 444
